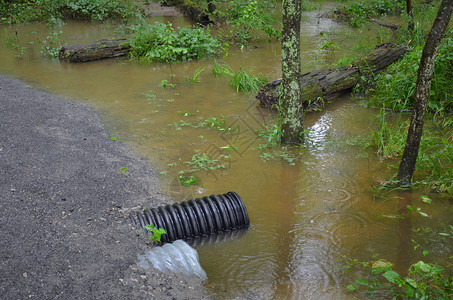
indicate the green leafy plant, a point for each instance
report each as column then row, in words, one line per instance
column 155, row 234
column 52, row 44
column 162, row 43
column 357, row 12
column 203, row 161
column 165, row 83
column 423, row 281
column 22, row 11
column 247, row 17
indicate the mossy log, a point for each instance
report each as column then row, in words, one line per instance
column 322, row 85
column 97, row 50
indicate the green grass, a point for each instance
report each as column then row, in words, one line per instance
column 245, row 82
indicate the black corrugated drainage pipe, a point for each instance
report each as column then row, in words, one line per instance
column 197, row 218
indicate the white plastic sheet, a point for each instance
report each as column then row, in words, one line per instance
column 176, row 257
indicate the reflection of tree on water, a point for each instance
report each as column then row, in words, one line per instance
column 289, row 176
column 404, row 233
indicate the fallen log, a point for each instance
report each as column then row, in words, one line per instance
column 391, row 26
column 323, row 85
column 97, row 50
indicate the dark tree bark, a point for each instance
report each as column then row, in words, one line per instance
column 424, row 77
column 291, row 109
column 97, row 50
column 211, row 7
column 410, row 14
column 329, row 83
column 191, row 10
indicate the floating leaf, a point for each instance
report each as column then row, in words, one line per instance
column 426, row 199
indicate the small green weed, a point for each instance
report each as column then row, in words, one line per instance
column 12, row 41
column 202, row 161
column 423, row 281
column 155, row 234
column 187, row 179
column 167, row 84
column 195, row 77
column 272, row 136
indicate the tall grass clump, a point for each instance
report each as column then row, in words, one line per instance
column 434, row 166
column 390, row 138
column 162, row 43
column 245, row 82
column 395, row 88
column 221, row 69
column 241, row 80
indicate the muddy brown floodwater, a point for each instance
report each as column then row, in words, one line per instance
column 306, row 219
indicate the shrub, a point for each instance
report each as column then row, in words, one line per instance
column 357, row 12
column 162, row 43
column 395, row 89
column 53, row 10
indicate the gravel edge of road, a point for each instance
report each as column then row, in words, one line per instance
column 65, row 202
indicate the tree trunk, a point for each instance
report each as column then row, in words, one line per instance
column 328, row 84
column 291, row 109
column 410, row 14
column 97, row 50
column 424, row 76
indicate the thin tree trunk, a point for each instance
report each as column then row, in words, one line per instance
column 410, row 14
column 291, row 109
column 425, row 74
